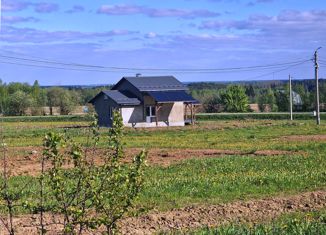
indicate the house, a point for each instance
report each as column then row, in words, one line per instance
column 146, row 102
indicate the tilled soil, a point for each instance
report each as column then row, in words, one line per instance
column 192, row 217
column 26, row 160
column 198, row 216
column 305, row 137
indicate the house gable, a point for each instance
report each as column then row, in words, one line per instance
column 117, row 97
column 157, row 83
column 125, row 86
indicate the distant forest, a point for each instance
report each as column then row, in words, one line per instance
column 16, row 97
column 274, row 94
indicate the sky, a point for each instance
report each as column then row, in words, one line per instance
column 70, row 42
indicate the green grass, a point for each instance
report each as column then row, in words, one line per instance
column 204, row 181
column 215, row 180
column 312, row 223
column 199, row 116
column 230, row 135
column 225, row 179
column 59, row 118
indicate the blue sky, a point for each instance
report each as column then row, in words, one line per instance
column 171, row 34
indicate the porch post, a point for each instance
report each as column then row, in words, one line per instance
column 186, row 110
column 156, row 114
column 192, row 114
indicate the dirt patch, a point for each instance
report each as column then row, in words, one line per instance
column 26, row 160
column 199, row 216
column 192, row 217
column 305, row 138
column 275, row 152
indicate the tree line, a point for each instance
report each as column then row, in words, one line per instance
column 16, row 97
column 269, row 95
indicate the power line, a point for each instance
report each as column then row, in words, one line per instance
column 115, row 71
column 277, row 71
column 52, row 67
column 98, row 67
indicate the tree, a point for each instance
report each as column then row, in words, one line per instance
column 235, row 99
column 57, row 96
column 282, row 100
column 250, row 92
column 3, row 97
column 306, row 97
column 267, row 99
column 17, row 86
column 212, row 104
column 67, row 102
column 35, row 90
column 18, row 102
column 53, row 97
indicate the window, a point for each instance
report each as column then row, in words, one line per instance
column 150, row 111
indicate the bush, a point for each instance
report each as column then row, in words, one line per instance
column 234, row 99
column 89, row 196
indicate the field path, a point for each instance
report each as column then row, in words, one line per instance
column 26, row 160
column 192, row 217
column 199, row 216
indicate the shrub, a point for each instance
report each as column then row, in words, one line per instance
column 89, row 196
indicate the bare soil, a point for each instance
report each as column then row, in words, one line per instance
column 198, row 216
column 26, row 160
column 192, row 217
column 305, row 137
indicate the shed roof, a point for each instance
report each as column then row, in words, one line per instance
column 118, row 97
column 171, row 96
column 153, row 83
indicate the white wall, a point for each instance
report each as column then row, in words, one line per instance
column 132, row 114
column 171, row 114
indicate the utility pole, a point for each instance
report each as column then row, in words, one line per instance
column 317, row 86
column 291, row 99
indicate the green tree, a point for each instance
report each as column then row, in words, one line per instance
column 250, row 92
column 35, row 90
column 212, row 104
column 53, row 97
column 39, row 99
column 235, row 99
column 3, row 97
column 282, row 100
column 17, row 86
column 62, row 98
column 18, row 102
column 322, row 92
column 267, row 98
column 306, row 97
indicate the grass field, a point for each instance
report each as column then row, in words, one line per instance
column 292, row 224
column 206, row 181
column 248, row 135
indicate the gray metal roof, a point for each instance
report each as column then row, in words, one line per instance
column 118, row 97
column 171, row 96
column 154, row 83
